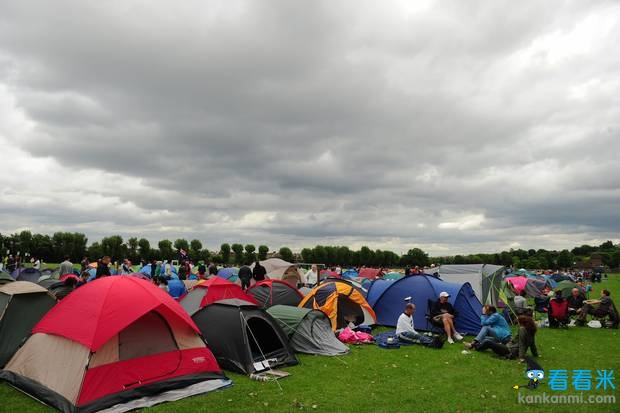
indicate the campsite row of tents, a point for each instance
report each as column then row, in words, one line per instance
column 124, row 342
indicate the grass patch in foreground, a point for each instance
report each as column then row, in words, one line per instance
column 412, row 378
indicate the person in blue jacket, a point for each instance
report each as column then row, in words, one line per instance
column 494, row 328
column 176, row 288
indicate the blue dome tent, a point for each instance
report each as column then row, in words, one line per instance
column 228, row 273
column 387, row 298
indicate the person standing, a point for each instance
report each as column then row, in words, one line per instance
column 245, row 275
column 259, row 272
column 66, row 267
column 10, row 263
column 36, row 263
column 126, row 267
column 84, row 264
column 103, row 267
column 312, row 276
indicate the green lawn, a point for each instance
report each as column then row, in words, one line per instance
column 412, row 378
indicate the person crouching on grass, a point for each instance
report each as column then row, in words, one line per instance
column 406, row 332
column 494, row 328
column 442, row 312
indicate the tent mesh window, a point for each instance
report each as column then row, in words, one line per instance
column 148, row 335
column 261, row 331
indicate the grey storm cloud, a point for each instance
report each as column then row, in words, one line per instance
column 452, row 126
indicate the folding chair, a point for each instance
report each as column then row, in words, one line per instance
column 434, row 326
column 558, row 313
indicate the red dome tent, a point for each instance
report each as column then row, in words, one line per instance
column 275, row 292
column 370, row 273
column 113, row 340
column 213, row 290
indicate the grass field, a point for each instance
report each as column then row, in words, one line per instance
column 412, row 378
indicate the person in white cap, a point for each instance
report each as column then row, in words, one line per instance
column 442, row 312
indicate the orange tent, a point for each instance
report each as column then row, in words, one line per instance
column 341, row 302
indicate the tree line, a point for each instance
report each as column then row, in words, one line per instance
column 75, row 245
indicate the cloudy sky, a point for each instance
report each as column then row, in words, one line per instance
column 452, row 126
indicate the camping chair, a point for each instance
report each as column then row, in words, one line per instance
column 541, row 305
column 558, row 313
column 431, row 325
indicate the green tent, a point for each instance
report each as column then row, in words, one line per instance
column 5, row 278
column 309, row 331
column 393, row 276
column 566, row 286
column 22, row 305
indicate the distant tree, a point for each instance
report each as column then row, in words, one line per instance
column 505, row 258
column 95, row 251
column 366, row 256
column 225, row 253
column 343, row 255
column 584, row 250
column 165, row 249
column 606, row 246
column 475, row 259
column 378, row 259
column 205, row 255
column 238, row 250
column 320, row 255
column 144, row 248
column 132, row 249
column 417, row 257
column 286, row 254
column 25, row 242
column 114, row 247
column 195, row 250
column 250, row 253
column 307, row 256
column 565, row 259
column 181, row 244
column 42, row 246
column 263, row 250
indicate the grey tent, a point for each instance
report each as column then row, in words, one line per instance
column 22, row 305
column 485, row 279
column 309, row 331
column 5, row 278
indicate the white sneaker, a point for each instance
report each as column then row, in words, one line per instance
column 450, row 340
column 458, row 337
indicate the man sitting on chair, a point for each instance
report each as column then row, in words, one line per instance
column 442, row 312
column 575, row 301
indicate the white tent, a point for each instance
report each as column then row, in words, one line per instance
column 485, row 279
column 278, row 269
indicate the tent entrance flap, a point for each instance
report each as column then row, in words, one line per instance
column 263, row 340
column 348, row 311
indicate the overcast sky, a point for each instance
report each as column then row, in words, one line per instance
column 452, row 126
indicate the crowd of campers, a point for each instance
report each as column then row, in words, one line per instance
column 142, row 338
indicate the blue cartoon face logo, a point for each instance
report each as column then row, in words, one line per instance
column 534, row 372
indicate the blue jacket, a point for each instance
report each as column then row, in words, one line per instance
column 498, row 323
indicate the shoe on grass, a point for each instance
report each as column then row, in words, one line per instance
column 468, row 346
column 450, row 340
column 458, row 337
